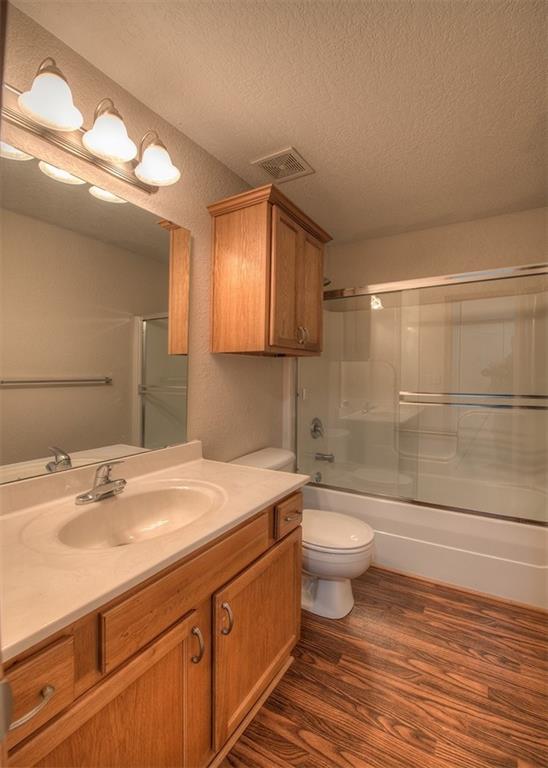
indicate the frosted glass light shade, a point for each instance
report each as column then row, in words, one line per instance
column 49, row 101
column 108, row 139
column 58, row 174
column 105, row 195
column 156, row 167
column 375, row 302
column 12, row 153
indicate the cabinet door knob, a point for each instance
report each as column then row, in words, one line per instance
column 45, row 694
column 201, row 645
column 227, row 630
column 301, row 334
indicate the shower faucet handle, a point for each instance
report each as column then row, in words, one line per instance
column 316, row 428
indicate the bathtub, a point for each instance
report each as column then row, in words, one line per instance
column 502, row 558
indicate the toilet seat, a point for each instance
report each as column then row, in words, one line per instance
column 335, row 533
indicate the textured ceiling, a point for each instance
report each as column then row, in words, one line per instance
column 413, row 113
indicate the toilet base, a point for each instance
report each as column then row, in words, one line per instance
column 331, row 598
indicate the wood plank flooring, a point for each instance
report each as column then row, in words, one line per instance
column 417, row 676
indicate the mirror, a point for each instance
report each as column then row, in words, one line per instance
column 85, row 339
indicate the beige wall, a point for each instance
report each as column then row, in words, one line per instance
column 497, row 241
column 60, row 319
column 234, row 402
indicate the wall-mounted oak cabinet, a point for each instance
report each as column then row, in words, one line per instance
column 267, row 276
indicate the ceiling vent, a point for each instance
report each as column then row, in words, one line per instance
column 285, row 165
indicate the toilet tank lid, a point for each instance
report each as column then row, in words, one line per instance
column 267, row 458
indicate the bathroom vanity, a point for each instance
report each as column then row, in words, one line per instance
column 168, row 671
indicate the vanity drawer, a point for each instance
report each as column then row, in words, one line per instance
column 131, row 624
column 288, row 514
column 31, row 680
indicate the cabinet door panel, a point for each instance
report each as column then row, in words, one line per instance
column 118, row 722
column 310, row 291
column 265, row 603
column 141, row 726
column 286, row 238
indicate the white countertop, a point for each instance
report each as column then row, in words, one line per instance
column 47, row 585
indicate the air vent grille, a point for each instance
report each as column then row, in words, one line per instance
column 284, row 165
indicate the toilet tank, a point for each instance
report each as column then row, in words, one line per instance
column 269, row 458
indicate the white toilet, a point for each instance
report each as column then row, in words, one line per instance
column 336, row 547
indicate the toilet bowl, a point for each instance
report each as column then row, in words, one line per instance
column 336, row 547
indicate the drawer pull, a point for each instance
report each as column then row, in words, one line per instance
column 46, row 694
column 290, row 518
column 201, row 650
column 227, row 630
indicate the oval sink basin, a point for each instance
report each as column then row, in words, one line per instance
column 141, row 514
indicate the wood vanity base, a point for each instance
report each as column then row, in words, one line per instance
column 170, row 673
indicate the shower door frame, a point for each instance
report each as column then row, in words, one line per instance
column 479, row 276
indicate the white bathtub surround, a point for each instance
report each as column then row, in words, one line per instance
column 47, row 584
column 497, row 557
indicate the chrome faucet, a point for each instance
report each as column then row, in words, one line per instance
column 103, row 485
column 61, row 460
column 329, row 457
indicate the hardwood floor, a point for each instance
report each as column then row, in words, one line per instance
column 418, row 675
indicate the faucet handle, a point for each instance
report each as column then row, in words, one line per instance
column 61, row 459
column 58, row 453
column 102, row 473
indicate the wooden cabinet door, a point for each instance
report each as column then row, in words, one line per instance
column 256, row 624
column 310, row 291
column 135, row 718
column 286, row 247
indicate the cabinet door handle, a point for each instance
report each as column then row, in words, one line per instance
column 306, row 333
column 301, row 334
column 227, row 630
column 196, row 631
column 45, row 694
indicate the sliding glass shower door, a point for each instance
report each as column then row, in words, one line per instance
column 437, row 394
column 163, row 387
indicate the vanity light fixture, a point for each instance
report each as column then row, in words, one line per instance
column 58, row 174
column 105, row 195
column 155, row 166
column 49, row 101
column 12, row 153
column 376, row 303
column 108, row 139
column 47, row 109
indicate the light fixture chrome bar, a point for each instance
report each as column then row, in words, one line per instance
column 501, row 273
column 80, row 382
column 74, row 146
